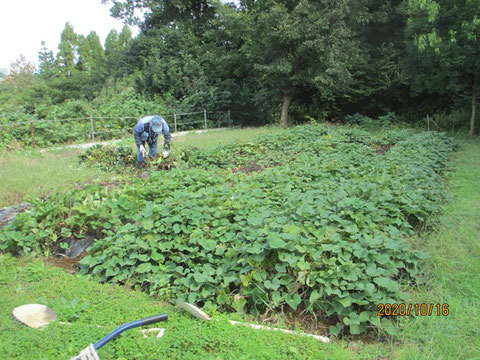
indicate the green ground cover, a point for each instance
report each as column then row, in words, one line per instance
column 94, row 310
column 312, row 219
column 452, row 272
column 449, row 277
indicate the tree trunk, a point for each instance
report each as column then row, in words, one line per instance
column 474, row 110
column 286, row 104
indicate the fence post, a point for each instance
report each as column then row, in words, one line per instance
column 428, row 123
column 175, row 122
column 229, row 119
column 32, row 134
column 92, row 128
column 205, row 118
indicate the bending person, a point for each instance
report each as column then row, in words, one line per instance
column 146, row 131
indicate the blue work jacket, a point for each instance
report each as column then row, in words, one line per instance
column 143, row 132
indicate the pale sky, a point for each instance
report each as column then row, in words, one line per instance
column 24, row 24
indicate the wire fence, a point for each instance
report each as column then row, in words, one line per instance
column 46, row 132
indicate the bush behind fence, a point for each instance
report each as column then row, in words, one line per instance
column 48, row 132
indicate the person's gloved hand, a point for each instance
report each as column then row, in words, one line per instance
column 166, row 153
column 143, row 151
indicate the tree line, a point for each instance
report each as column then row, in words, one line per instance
column 281, row 61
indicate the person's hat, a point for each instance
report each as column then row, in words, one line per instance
column 157, row 124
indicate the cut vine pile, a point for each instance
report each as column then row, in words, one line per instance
column 121, row 158
column 321, row 224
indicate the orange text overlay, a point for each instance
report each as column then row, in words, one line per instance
column 402, row 309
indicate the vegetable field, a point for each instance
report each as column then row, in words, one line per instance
column 312, row 220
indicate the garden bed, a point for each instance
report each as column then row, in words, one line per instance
column 322, row 229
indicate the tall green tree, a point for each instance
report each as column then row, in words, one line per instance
column 111, row 43
column 444, row 37
column 124, row 37
column 173, row 13
column 168, row 56
column 91, row 54
column 46, row 61
column 80, row 65
column 379, row 86
column 299, row 44
column 115, row 47
column 67, row 51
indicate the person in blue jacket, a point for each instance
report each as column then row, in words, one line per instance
column 146, row 131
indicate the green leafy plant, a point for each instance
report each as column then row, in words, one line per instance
column 319, row 224
column 69, row 310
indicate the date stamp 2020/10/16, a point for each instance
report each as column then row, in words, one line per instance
column 403, row 309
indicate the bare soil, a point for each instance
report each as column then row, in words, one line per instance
column 67, row 263
column 381, row 149
column 250, row 168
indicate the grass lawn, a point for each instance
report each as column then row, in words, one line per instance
column 34, row 173
column 454, row 269
column 230, row 136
